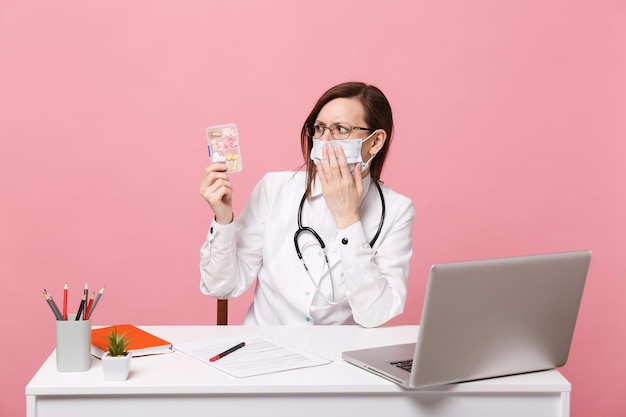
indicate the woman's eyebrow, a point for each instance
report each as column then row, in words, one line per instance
column 334, row 123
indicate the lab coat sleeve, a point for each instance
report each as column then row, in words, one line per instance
column 231, row 256
column 376, row 279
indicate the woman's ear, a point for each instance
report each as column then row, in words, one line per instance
column 379, row 140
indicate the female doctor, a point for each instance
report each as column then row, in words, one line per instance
column 327, row 245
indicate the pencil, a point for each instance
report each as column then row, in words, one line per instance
column 52, row 305
column 83, row 300
column 65, row 302
column 88, row 309
column 95, row 302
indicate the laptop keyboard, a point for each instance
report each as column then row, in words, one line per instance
column 406, row 365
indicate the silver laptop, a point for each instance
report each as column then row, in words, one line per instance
column 488, row 318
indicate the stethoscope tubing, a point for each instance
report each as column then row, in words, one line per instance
column 302, row 229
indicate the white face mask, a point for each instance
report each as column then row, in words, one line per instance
column 351, row 148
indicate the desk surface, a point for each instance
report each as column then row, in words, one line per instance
column 176, row 374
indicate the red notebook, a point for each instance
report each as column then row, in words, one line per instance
column 141, row 342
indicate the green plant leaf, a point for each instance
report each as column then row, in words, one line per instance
column 117, row 343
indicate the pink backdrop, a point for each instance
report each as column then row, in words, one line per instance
column 510, row 140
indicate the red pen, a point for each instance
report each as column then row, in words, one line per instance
column 227, row 352
column 65, row 302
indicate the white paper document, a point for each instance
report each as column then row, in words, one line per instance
column 259, row 356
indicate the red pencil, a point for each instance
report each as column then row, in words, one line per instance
column 88, row 309
column 95, row 302
column 65, row 302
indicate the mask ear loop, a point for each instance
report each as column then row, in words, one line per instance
column 366, row 164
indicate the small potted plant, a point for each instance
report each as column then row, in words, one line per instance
column 116, row 360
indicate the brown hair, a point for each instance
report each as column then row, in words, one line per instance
column 377, row 116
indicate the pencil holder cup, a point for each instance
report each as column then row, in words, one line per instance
column 73, row 344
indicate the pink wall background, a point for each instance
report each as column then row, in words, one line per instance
column 510, row 140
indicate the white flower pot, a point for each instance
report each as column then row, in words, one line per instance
column 116, row 368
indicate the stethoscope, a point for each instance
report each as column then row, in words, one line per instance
column 302, row 229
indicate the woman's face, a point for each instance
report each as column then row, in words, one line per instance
column 347, row 111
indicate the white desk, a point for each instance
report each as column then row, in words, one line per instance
column 177, row 385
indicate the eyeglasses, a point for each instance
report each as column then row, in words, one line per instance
column 338, row 131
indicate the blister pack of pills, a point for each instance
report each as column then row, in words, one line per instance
column 223, row 144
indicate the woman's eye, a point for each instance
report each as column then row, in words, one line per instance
column 342, row 129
